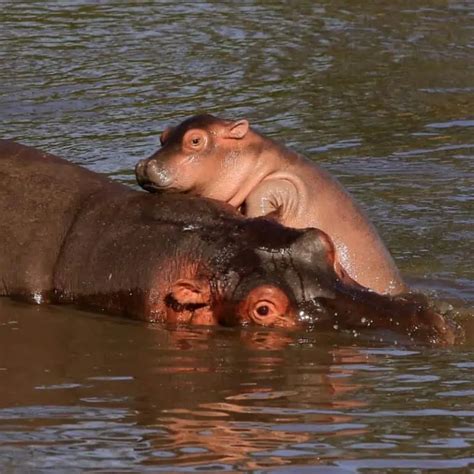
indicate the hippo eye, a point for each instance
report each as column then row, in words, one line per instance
column 263, row 310
column 268, row 305
column 196, row 141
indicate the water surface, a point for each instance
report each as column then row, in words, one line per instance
column 379, row 93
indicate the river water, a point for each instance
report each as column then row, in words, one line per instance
column 379, row 93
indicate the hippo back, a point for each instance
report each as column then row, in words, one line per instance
column 40, row 197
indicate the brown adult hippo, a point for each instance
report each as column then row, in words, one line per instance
column 69, row 235
column 231, row 162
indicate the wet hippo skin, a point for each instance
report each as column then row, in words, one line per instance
column 231, row 162
column 69, row 235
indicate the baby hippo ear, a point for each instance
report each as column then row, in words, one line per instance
column 165, row 135
column 238, row 129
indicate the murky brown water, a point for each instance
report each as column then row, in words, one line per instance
column 382, row 95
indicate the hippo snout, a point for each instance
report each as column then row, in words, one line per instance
column 151, row 176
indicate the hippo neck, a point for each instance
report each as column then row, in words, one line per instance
column 267, row 157
column 276, row 157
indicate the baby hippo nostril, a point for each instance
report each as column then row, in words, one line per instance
column 140, row 168
column 140, row 172
column 151, row 175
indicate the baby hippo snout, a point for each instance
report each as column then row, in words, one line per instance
column 152, row 176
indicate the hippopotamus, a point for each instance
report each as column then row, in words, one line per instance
column 231, row 162
column 69, row 235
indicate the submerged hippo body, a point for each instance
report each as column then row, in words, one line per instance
column 231, row 162
column 68, row 235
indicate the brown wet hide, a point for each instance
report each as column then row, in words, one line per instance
column 40, row 197
column 137, row 260
column 410, row 314
column 85, row 240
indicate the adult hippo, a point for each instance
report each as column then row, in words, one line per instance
column 69, row 235
column 231, row 162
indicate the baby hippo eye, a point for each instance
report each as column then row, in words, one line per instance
column 194, row 140
column 263, row 310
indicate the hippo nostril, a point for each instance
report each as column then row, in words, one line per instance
column 158, row 175
column 140, row 173
column 151, row 175
column 140, row 169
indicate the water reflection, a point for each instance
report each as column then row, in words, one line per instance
column 256, row 424
column 105, row 392
column 381, row 94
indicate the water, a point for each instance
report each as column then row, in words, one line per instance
column 379, row 93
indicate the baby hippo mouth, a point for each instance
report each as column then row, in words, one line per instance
column 149, row 186
column 153, row 188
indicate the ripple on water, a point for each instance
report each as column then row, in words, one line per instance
column 380, row 94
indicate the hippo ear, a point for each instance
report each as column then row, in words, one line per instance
column 314, row 246
column 238, row 129
column 191, row 292
column 165, row 135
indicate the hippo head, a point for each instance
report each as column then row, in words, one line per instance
column 281, row 283
column 265, row 274
column 196, row 156
column 180, row 259
column 261, row 274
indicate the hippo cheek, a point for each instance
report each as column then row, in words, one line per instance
column 267, row 305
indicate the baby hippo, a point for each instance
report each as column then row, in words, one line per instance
column 231, row 162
